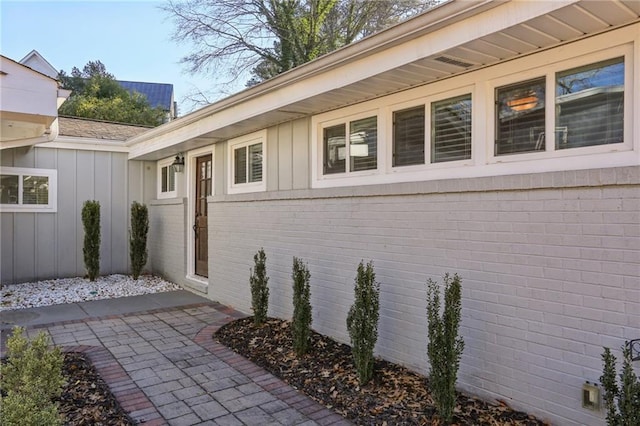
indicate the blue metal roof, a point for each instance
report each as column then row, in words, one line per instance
column 158, row 94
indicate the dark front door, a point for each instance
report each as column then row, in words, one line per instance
column 203, row 189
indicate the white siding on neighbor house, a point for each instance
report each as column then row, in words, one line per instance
column 49, row 245
column 549, row 265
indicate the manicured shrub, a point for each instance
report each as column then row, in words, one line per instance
column 622, row 402
column 138, row 238
column 362, row 321
column 259, row 289
column 31, row 379
column 445, row 347
column 91, row 248
column 301, row 324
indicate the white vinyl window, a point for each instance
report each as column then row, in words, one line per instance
column 588, row 102
column 247, row 163
column 28, row 190
column 355, row 140
column 166, row 179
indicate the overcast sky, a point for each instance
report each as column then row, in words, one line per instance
column 132, row 38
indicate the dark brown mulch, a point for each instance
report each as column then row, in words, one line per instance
column 396, row 395
column 86, row 398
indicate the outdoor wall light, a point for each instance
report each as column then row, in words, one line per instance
column 178, row 163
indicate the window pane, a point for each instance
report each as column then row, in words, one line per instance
column 255, row 163
column 408, row 137
column 35, row 190
column 520, row 118
column 451, row 128
column 171, row 185
column 363, row 140
column 163, row 184
column 8, row 189
column 240, row 165
column 334, row 149
column 590, row 105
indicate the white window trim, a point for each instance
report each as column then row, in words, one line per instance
column 549, row 73
column 426, row 102
column 346, row 120
column 245, row 141
column 52, row 174
column 483, row 83
column 167, row 194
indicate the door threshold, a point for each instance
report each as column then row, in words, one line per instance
column 197, row 284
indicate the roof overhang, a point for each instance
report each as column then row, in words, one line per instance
column 451, row 39
column 28, row 105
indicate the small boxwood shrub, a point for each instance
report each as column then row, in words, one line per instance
column 301, row 324
column 91, row 248
column 30, row 380
column 362, row 321
column 259, row 289
column 138, row 238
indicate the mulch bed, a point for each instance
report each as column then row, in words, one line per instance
column 86, row 398
column 396, row 395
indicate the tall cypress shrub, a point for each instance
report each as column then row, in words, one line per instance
column 259, row 290
column 362, row 321
column 445, row 347
column 138, row 238
column 91, row 248
column 301, row 324
column 622, row 402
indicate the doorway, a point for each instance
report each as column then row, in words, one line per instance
column 203, row 189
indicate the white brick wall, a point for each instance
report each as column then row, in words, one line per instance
column 166, row 241
column 550, row 275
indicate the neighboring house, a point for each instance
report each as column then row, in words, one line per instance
column 28, row 105
column 158, row 95
column 497, row 140
column 37, row 62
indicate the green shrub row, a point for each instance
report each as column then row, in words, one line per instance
column 444, row 346
column 137, row 238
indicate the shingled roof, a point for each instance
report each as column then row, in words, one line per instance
column 158, row 94
column 96, row 129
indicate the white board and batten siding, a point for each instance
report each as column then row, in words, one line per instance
column 46, row 245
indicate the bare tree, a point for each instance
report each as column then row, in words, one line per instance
column 267, row 37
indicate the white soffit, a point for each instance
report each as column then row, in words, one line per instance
column 560, row 25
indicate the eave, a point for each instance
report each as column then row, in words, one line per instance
column 454, row 38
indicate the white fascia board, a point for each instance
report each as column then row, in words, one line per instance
column 86, row 144
column 364, row 59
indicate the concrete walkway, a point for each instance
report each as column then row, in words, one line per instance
column 157, row 355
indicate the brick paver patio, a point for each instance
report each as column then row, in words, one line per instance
column 164, row 368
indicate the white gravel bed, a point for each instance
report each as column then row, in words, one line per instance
column 71, row 290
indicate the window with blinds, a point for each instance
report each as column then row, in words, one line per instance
column 24, row 189
column 590, row 105
column 255, row 162
column 520, row 117
column 363, row 144
column 451, row 129
column 362, row 149
column 247, row 164
column 408, row 136
column 168, row 179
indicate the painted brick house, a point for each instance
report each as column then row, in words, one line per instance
column 494, row 139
